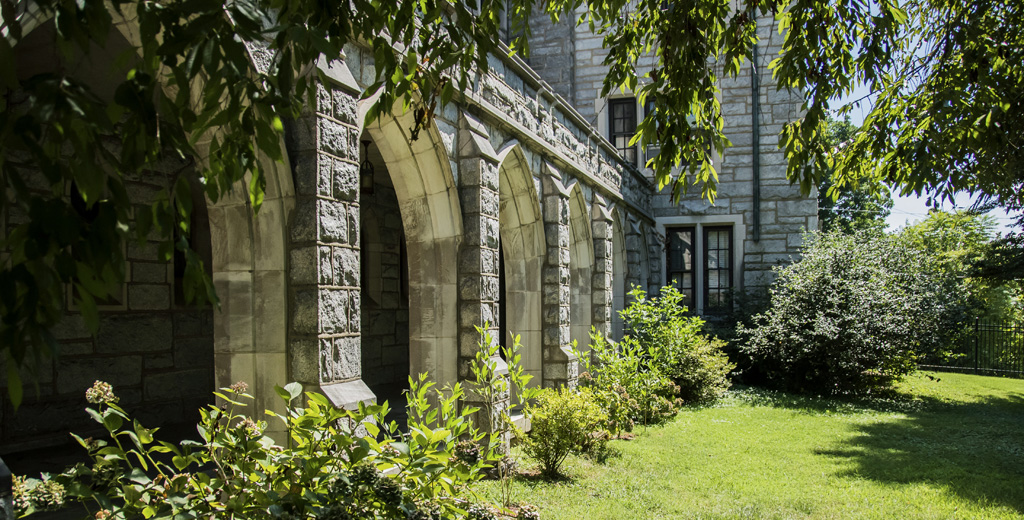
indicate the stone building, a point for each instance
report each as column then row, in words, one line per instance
column 375, row 256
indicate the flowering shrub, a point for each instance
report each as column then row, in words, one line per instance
column 338, row 464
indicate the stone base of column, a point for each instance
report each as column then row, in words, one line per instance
column 348, row 394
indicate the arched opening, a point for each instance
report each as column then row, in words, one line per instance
column 618, row 276
column 645, row 259
column 521, row 229
column 581, row 267
column 384, row 302
column 430, row 222
column 162, row 356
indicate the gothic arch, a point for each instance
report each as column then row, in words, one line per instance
column 523, row 250
column 618, row 275
column 581, row 267
column 429, row 203
column 645, row 258
column 248, row 252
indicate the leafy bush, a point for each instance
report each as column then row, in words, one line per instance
column 562, row 421
column 629, row 389
column 853, row 315
column 332, row 467
column 664, row 362
column 498, row 376
column 676, row 346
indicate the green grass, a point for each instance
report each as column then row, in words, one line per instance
column 949, row 447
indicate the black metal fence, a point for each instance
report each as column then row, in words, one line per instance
column 989, row 347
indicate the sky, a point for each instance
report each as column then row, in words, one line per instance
column 907, row 210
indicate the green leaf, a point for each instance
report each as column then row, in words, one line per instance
column 293, row 390
column 14, row 387
column 179, row 462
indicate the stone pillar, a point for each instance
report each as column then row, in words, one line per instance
column 323, row 272
column 560, row 365
column 478, row 260
column 601, row 285
column 633, row 252
column 656, row 257
column 478, row 254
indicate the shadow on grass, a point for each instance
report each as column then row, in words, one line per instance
column 533, row 478
column 887, row 402
column 974, row 450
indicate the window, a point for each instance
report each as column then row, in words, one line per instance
column 652, row 149
column 622, row 123
column 680, row 264
column 717, row 267
column 707, row 264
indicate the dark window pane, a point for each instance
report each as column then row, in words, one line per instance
column 717, row 266
column 680, row 262
column 622, row 126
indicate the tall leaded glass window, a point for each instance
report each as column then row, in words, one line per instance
column 680, row 263
column 622, row 122
column 717, row 267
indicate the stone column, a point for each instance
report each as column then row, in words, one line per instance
column 324, row 289
column 656, row 256
column 601, row 285
column 478, row 256
column 560, row 365
column 633, row 252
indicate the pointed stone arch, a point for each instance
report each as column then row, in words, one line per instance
column 645, row 258
column 581, row 267
column 431, row 217
column 619, row 286
column 248, row 262
column 521, row 228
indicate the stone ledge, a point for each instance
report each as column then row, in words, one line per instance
column 349, row 394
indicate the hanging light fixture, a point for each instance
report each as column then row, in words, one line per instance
column 366, row 170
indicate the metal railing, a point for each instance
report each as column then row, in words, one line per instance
column 989, row 347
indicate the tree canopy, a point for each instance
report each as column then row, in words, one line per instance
column 187, row 90
column 947, row 75
column 849, row 208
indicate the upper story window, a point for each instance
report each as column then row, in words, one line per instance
column 652, row 149
column 622, row 125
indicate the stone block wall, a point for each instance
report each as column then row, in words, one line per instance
column 385, row 299
column 154, row 349
column 785, row 214
column 552, row 47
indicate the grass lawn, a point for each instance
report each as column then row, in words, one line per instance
column 949, row 447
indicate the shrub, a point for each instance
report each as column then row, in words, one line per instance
column 562, row 422
column 332, row 467
column 676, row 346
column 629, row 389
column 853, row 315
column 664, row 362
column 499, row 378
